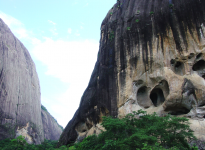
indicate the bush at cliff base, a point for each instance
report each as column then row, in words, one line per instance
column 142, row 131
column 137, row 131
column 19, row 143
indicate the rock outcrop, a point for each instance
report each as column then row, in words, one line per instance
column 52, row 130
column 20, row 103
column 151, row 57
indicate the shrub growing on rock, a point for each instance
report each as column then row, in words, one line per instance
column 137, row 131
column 139, row 128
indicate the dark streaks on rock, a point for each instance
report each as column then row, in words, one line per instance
column 147, row 35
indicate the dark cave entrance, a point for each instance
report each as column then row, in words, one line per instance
column 200, row 65
column 199, row 55
column 157, row 97
column 179, row 111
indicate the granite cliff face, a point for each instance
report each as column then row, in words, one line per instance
column 151, row 57
column 20, row 103
column 52, row 130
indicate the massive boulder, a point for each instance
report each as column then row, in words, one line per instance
column 151, row 57
column 20, row 103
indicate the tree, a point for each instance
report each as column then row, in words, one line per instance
column 138, row 129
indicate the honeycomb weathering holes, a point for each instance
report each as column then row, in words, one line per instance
column 200, row 65
column 199, row 55
column 157, row 96
column 177, row 67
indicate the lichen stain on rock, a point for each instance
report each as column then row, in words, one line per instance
column 151, row 57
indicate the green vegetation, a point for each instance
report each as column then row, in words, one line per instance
column 151, row 13
column 147, row 132
column 137, row 20
column 19, row 143
column 137, row 131
column 111, row 36
column 171, row 5
column 44, row 108
column 128, row 28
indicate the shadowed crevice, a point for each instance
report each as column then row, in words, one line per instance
column 157, row 96
column 200, row 65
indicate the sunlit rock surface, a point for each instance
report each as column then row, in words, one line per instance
column 20, row 103
column 151, row 57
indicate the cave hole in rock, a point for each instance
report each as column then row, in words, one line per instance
column 191, row 55
column 178, row 64
column 179, row 68
column 179, row 111
column 138, row 82
column 172, row 61
column 200, row 65
column 202, row 104
column 157, row 96
column 82, row 127
column 199, row 56
column 143, row 98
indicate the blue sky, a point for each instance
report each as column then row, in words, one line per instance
column 62, row 37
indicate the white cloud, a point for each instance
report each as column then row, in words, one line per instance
column 53, row 31
column 18, row 28
column 77, row 33
column 15, row 25
column 51, row 22
column 72, row 62
column 69, row 30
column 67, row 104
column 10, row 21
column 67, row 60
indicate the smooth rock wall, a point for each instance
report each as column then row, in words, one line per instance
column 20, row 102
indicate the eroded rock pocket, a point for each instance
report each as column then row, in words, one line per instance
column 142, row 97
column 159, row 93
column 200, row 65
column 177, row 67
column 157, row 97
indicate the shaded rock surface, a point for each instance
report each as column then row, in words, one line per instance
column 151, row 57
column 20, row 103
column 52, row 130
